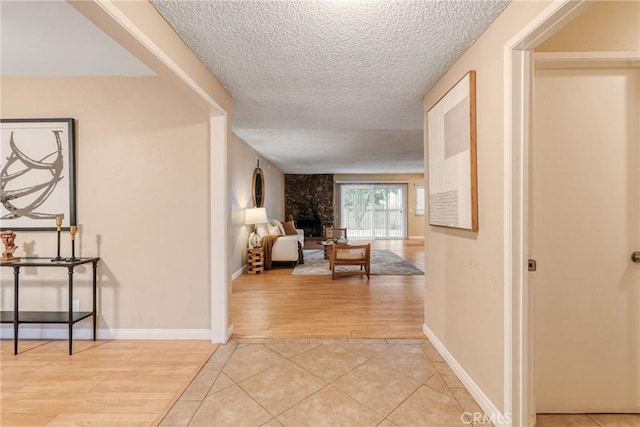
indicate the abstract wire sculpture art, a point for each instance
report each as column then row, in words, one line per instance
column 41, row 191
column 37, row 173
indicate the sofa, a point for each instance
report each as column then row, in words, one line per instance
column 287, row 248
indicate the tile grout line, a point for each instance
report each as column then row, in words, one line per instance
column 456, row 397
column 278, row 364
column 445, row 383
column 307, row 370
column 258, row 403
column 326, row 383
column 329, row 383
column 400, row 404
column 411, row 394
column 214, row 381
column 353, row 397
column 384, row 417
column 594, row 420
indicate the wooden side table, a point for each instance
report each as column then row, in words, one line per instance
column 255, row 260
column 328, row 246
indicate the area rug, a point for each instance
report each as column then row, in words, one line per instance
column 383, row 262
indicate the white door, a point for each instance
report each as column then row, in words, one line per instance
column 585, row 208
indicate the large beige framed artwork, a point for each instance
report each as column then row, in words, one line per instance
column 451, row 139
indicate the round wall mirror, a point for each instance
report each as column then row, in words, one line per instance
column 258, row 188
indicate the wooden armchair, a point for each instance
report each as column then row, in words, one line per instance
column 357, row 255
column 334, row 233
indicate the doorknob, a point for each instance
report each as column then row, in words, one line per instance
column 635, row 257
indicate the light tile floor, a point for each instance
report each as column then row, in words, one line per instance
column 588, row 420
column 308, row 382
column 339, row 382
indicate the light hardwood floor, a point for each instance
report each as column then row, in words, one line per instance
column 106, row 383
column 277, row 304
column 135, row 383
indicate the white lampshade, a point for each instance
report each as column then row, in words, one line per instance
column 255, row 216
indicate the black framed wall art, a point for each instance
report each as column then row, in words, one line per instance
column 37, row 173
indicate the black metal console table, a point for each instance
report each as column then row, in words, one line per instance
column 65, row 317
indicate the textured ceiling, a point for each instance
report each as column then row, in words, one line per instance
column 51, row 38
column 330, row 86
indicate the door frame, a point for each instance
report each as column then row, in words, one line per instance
column 519, row 394
column 103, row 14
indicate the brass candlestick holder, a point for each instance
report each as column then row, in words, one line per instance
column 59, row 228
column 72, row 230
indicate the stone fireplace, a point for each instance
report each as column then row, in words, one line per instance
column 311, row 227
column 309, row 200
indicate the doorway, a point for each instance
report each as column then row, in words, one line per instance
column 519, row 295
column 373, row 210
column 584, row 205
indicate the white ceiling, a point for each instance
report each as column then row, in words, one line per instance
column 331, row 86
column 51, row 38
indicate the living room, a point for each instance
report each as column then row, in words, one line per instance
column 310, row 201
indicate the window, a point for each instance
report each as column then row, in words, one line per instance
column 419, row 200
column 373, row 210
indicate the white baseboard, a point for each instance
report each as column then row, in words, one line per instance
column 159, row 334
column 498, row 418
column 238, row 272
column 229, row 333
column 61, row 332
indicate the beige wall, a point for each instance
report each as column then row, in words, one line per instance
column 603, row 26
column 242, row 162
column 143, row 16
column 139, row 27
column 415, row 223
column 142, row 198
column 464, row 285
